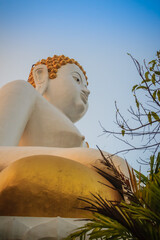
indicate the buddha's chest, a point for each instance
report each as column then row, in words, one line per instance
column 51, row 128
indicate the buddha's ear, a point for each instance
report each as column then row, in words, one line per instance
column 40, row 76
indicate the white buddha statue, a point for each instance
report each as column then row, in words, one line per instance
column 45, row 117
column 45, row 162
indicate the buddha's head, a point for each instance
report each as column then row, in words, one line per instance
column 63, row 82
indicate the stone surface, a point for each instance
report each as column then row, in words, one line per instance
column 87, row 156
column 34, row 228
column 41, row 122
column 30, row 119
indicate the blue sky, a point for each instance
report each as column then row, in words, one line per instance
column 98, row 34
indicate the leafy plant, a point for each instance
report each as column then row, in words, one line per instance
column 137, row 217
column 145, row 115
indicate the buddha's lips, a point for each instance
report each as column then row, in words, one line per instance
column 84, row 97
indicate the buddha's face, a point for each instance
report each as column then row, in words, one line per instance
column 68, row 92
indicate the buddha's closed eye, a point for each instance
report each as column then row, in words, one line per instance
column 77, row 77
column 77, row 80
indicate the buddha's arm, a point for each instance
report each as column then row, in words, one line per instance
column 86, row 156
column 16, row 104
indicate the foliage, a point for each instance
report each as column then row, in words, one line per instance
column 146, row 115
column 136, row 218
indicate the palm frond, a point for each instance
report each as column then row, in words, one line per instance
column 136, row 217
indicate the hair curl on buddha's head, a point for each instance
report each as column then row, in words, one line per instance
column 53, row 64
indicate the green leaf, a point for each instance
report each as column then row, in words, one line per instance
column 146, row 75
column 134, row 87
column 149, row 118
column 157, row 165
column 123, row 132
column 142, row 87
column 145, row 81
column 158, row 95
column 154, row 94
column 153, row 79
column 157, row 72
column 142, row 177
column 137, row 103
column 122, row 126
column 158, row 54
column 153, row 61
column 156, row 117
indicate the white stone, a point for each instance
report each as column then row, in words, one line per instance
column 42, row 122
column 29, row 119
column 36, row 228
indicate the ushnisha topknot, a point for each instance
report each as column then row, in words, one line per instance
column 53, row 64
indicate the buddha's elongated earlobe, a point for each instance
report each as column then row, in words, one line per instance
column 40, row 75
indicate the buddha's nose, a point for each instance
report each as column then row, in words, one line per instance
column 86, row 92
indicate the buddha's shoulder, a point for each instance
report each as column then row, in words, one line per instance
column 18, row 86
column 18, row 89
